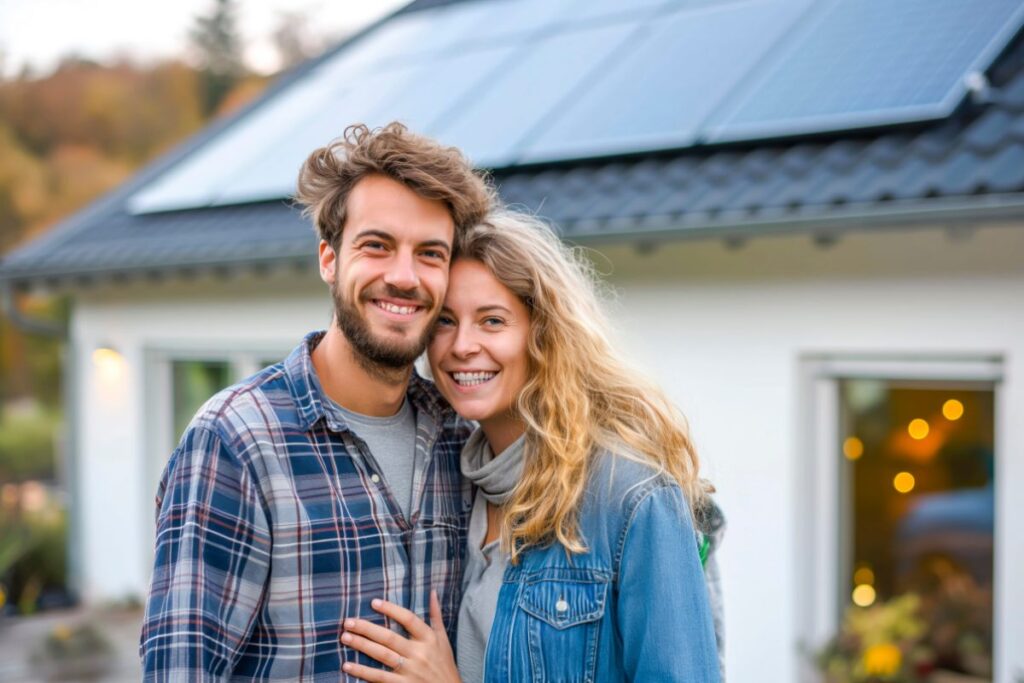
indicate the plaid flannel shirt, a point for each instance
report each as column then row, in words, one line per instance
column 274, row 525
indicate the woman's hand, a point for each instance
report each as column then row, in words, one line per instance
column 424, row 657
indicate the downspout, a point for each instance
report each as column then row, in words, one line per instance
column 68, row 462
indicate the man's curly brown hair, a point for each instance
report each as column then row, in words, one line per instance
column 426, row 167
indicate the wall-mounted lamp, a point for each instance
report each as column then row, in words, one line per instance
column 109, row 363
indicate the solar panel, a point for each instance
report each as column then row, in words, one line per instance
column 589, row 10
column 271, row 172
column 407, row 94
column 405, row 69
column 859, row 63
column 417, row 34
column 492, row 124
column 504, row 19
column 660, row 92
column 195, row 181
column 522, row 81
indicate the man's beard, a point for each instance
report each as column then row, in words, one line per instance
column 374, row 354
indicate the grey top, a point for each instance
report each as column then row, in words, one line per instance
column 494, row 477
column 484, row 570
column 392, row 445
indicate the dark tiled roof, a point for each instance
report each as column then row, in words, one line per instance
column 969, row 167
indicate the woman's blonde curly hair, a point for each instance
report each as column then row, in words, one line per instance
column 581, row 395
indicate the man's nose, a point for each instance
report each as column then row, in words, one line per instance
column 401, row 273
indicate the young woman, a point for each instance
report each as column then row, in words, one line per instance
column 582, row 563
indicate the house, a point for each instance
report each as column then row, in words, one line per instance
column 813, row 215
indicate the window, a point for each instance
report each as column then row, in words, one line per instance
column 898, row 497
column 917, row 506
column 192, row 383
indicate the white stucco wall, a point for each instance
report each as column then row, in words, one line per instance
column 723, row 330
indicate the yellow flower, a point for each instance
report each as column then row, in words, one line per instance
column 883, row 659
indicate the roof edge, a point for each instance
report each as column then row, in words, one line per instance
column 827, row 221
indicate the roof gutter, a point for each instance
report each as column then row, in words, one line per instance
column 35, row 326
column 827, row 221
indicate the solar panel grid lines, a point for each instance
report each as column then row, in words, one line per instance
column 282, row 149
column 405, row 93
column 491, row 126
column 193, row 181
column 538, row 81
column 653, row 98
column 590, row 10
column 863, row 63
column 522, row 19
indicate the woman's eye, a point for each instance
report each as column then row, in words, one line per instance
column 493, row 322
column 445, row 321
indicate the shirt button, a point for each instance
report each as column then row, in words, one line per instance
column 562, row 606
column 375, row 478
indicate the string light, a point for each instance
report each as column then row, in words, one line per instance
column 918, row 429
column 904, row 482
column 853, row 448
column 952, row 410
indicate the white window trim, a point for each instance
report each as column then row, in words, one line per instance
column 157, row 413
column 819, row 562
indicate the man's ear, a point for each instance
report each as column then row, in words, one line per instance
column 328, row 262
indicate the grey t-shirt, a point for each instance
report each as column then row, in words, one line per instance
column 392, row 443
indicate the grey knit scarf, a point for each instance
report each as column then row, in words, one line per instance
column 494, row 476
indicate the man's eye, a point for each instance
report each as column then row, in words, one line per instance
column 376, row 246
column 435, row 254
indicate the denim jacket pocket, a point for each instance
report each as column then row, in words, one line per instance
column 563, row 609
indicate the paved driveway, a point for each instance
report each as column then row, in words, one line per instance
column 20, row 636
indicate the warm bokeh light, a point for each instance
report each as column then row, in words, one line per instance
column 33, row 496
column 904, row 482
column 853, row 448
column 863, row 595
column 864, row 575
column 918, row 428
column 109, row 363
column 952, row 409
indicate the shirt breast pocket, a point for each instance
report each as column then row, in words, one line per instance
column 563, row 609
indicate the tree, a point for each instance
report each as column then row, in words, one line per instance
column 218, row 46
column 293, row 40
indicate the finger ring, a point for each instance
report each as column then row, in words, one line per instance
column 401, row 661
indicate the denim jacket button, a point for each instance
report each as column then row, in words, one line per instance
column 562, row 606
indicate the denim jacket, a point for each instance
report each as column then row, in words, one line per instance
column 634, row 607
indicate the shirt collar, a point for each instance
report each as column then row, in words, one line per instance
column 313, row 404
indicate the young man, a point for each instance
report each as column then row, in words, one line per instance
column 332, row 478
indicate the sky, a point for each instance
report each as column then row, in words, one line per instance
column 40, row 32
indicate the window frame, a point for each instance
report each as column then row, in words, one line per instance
column 158, row 405
column 821, row 560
